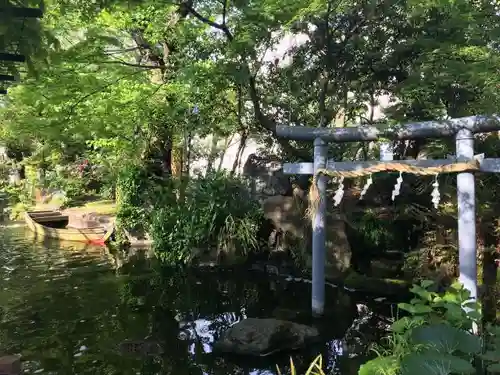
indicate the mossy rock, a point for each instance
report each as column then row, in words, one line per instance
column 382, row 268
column 264, row 337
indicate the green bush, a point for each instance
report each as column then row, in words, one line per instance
column 19, row 199
column 216, row 210
column 17, row 194
column 76, row 188
column 210, row 211
column 435, row 337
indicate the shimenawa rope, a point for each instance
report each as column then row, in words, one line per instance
column 472, row 165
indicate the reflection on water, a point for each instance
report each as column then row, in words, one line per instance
column 68, row 309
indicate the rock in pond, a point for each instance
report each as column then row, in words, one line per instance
column 263, row 337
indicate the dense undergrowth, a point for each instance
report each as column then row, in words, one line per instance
column 432, row 335
column 215, row 211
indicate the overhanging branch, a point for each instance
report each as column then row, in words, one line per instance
column 220, row 26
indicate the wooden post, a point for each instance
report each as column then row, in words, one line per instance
column 4, row 56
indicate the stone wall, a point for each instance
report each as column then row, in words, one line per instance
column 266, row 177
column 294, row 233
column 285, row 207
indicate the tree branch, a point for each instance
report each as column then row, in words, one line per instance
column 117, row 51
column 100, row 89
column 224, row 12
column 121, row 62
column 215, row 25
column 265, row 121
column 147, row 50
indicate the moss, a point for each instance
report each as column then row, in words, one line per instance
column 373, row 285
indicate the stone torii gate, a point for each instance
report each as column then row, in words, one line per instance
column 463, row 129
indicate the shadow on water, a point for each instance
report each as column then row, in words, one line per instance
column 67, row 309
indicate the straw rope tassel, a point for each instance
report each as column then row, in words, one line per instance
column 368, row 183
column 472, row 165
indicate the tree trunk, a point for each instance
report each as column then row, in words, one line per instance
column 176, row 162
column 226, row 146
column 239, row 153
column 167, row 157
column 213, row 153
column 487, row 233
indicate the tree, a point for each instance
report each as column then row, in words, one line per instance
column 138, row 81
column 351, row 55
column 92, row 94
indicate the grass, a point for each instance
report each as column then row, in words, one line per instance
column 315, row 368
column 102, row 207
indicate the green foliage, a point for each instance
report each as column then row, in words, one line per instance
column 216, row 211
column 124, row 78
column 19, row 198
column 76, row 186
column 17, row 194
column 376, row 232
column 73, row 187
column 124, row 72
column 132, row 197
column 491, row 354
column 452, row 306
column 24, row 36
column 212, row 211
column 433, row 338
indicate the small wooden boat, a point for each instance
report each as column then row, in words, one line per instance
column 53, row 224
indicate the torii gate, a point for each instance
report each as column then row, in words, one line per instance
column 463, row 129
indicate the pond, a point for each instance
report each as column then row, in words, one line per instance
column 67, row 310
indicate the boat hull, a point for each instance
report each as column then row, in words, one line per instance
column 51, row 224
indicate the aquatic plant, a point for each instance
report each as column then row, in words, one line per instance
column 315, row 368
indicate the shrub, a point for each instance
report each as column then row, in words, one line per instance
column 133, row 198
column 19, row 199
column 216, row 210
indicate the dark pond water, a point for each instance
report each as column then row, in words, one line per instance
column 67, row 309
